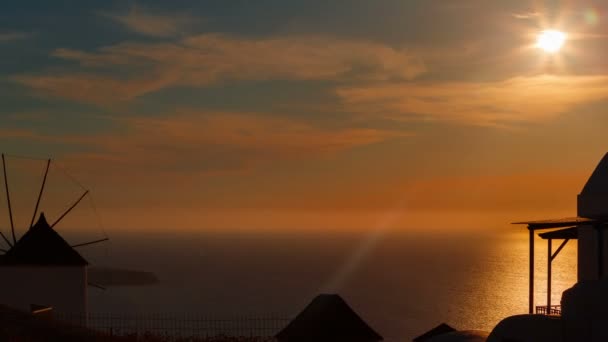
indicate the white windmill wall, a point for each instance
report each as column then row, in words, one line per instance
column 63, row 288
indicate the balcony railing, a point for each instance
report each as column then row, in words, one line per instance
column 552, row 310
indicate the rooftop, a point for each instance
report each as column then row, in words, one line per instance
column 42, row 245
column 328, row 318
column 598, row 182
column 561, row 223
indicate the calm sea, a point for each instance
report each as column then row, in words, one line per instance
column 402, row 282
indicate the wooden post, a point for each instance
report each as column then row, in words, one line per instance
column 549, row 259
column 531, row 294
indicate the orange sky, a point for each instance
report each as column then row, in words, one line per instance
column 399, row 114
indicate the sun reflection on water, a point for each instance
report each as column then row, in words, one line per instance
column 497, row 287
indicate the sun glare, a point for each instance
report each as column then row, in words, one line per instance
column 551, row 41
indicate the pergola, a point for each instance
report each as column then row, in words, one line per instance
column 565, row 229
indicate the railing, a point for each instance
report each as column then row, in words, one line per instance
column 555, row 310
column 179, row 326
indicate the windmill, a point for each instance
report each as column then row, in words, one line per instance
column 41, row 268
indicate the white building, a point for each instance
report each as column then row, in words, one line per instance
column 592, row 239
column 583, row 313
column 43, row 269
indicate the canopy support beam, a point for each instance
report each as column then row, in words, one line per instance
column 559, row 249
column 549, row 262
column 531, row 284
column 550, row 257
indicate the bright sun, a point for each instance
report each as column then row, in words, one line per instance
column 551, row 40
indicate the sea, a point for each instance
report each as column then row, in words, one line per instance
column 402, row 282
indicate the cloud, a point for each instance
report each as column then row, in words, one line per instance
column 202, row 142
column 211, row 58
column 549, row 190
column 92, row 88
column 13, row 36
column 518, row 99
column 527, row 15
column 144, row 22
column 234, row 139
column 7, row 134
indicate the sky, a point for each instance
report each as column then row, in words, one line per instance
column 236, row 114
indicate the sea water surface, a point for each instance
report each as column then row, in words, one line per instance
column 402, row 282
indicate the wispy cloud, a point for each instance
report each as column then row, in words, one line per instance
column 519, row 99
column 92, row 88
column 13, row 36
column 147, row 23
column 9, row 134
column 210, row 58
column 211, row 142
column 527, row 15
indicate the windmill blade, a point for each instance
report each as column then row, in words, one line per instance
column 8, row 198
column 96, row 286
column 6, row 240
column 90, row 242
column 46, row 172
column 70, row 208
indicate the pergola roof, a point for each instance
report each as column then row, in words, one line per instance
column 561, row 234
column 561, row 223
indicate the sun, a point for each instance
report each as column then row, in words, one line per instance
column 551, row 41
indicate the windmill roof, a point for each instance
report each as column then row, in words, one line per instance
column 42, row 245
column 328, row 318
column 441, row 329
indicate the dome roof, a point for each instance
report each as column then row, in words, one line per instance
column 598, row 182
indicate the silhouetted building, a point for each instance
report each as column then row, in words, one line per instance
column 583, row 313
column 436, row 331
column 43, row 269
column 328, row 319
column 592, row 203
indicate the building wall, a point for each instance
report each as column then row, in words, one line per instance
column 592, row 205
column 63, row 288
column 588, row 253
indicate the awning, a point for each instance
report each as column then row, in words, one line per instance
column 561, row 234
column 561, row 223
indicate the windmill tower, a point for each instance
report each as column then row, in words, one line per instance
column 40, row 267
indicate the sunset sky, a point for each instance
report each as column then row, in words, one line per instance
column 309, row 114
